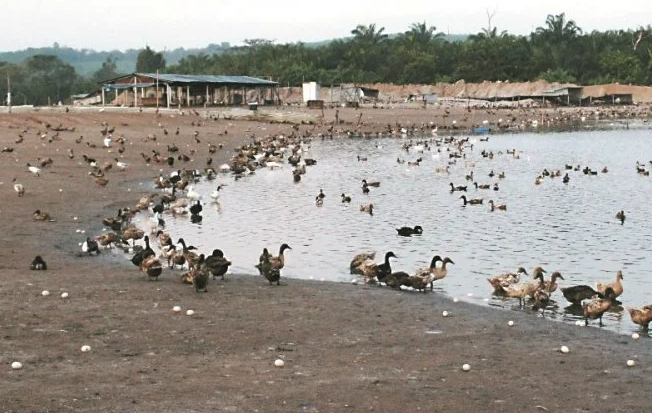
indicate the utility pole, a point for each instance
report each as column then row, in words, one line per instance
column 9, row 91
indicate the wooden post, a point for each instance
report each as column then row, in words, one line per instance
column 188, row 95
column 169, row 93
column 244, row 96
column 135, row 92
column 9, row 92
column 157, row 90
column 207, row 96
column 102, row 95
column 225, row 98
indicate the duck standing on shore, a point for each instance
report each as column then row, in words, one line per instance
column 379, row 271
column 641, row 316
column 506, row 279
column 38, row 264
column 616, row 286
column 360, row 261
column 596, row 308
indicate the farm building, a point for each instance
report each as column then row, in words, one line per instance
column 166, row 90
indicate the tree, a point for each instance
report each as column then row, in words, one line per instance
column 47, row 79
column 368, row 34
column 422, row 34
column 107, row 71
column 149, row 61
column 558, row 29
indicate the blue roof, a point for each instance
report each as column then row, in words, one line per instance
column 234, row 80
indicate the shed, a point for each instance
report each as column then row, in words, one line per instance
column 166, row 89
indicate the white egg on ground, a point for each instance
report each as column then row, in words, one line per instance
column 64, row 295
column 564, row 349
column 176, row 308
column 635, row 336
column 631, row 363
column 354, row 282
column 190, row 312
column 510, row 323
column 45, row 293
column 85, row 348
column 445, row 313
column 466, row 367
column 16, row 365
column 279, row 363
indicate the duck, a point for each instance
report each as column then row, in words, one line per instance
column 439, row 272
column 482, row 186
column 277, row 262
column 200, row 275
column 367, row 208
column 472, row 201
column 397, row 279
column 90, row 246
column 365, row 189
column 121, row 165
column 566, row 179
column 500, row 207
column 42, row 216
column 267, row 269
column 108, row 238
column 541, row 297
column 152, row 267
column 506, row 279
column 416, row 282
column 621, row 216
column 641, row 316
column 321, row 194
column 319, row 201
column 423, row 272
column 133, row 234
column 375, row 184
column 379, row 271
column 346, row 199
column 196, row 208
column 521, row 291
column 360, row 261
column 578, row 293
column 457, row 188
column 33, row 169
column 598, row 306
column 217, row 264
column 19, row 188
column 192, row 194
column 145, row 253
column 496, row 187
column 189, row 257
column 215, row 195
column 501, row 175
column 407, row 231
column 100, row 181
column 38, row 264
column 163, row 238
column 616, row 286
column 551, row 285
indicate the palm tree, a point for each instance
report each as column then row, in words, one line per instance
column 368, row 34
column 422, row 34
column 488, row 34
column 558, row 30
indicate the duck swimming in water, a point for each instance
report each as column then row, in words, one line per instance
column 472, row 201
column 407, row 231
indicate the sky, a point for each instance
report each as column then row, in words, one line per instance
column 164, row 24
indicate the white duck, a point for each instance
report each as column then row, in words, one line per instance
column 36, row 171
column 192, row 194
column 215, row 195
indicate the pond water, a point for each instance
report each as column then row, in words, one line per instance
column 570, row 228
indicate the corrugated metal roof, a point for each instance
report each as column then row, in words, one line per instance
column 234, row 80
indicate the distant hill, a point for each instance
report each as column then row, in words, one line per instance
column 87, row 61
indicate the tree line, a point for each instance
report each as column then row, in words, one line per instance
column 559, row 50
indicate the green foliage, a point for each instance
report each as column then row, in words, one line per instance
column 556, row 51
column 149, row 61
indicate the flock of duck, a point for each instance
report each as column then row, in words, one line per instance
column 178, row 197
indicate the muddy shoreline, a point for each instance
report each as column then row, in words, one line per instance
column 345, row 347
